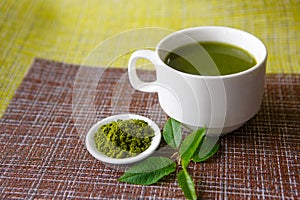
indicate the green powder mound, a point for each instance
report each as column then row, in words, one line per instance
column 124, row 138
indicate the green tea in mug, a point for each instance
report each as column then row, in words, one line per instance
column 210, row 58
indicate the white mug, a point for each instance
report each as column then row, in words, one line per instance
column 220, row 103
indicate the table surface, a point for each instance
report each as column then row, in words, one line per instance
column 46, row 106
column 43, row 129
column 69, row 30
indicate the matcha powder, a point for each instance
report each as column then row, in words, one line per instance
column 124, row 138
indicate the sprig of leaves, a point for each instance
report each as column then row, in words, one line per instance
column 153, row 169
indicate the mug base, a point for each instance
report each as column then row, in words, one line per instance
column 215, row 132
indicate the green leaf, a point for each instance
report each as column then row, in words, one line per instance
column 187, row 185
column 149, row 171
column 207, row 149
column 190, row 145
column 172, row 133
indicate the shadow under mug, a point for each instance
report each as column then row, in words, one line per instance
column 220, row 103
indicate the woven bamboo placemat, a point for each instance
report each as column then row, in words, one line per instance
column 43, row 157
column 68, row 30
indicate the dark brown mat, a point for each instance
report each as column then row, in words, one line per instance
column 42, row 155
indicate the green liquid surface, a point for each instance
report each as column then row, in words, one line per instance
column 210, row 58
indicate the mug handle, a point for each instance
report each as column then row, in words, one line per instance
column 135, row 81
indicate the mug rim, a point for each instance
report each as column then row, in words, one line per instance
column 199, row 28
